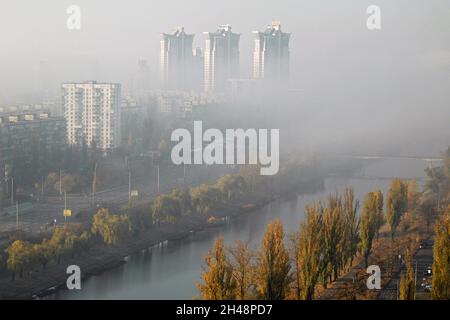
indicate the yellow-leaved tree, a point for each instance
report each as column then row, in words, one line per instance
column 218, row 281
column 272, row 270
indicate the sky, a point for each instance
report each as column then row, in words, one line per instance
column 335, row 59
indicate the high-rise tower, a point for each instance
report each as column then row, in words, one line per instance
column 177, row 60
column 271, row 54
column 221, row 58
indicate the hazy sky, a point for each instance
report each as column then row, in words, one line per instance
column 328, row 37
column 335, row 59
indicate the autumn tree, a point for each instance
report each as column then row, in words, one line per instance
column 241, row 260
column 380, row 219
column 368, row 225
column 20, row 257
column 397, row 204
column 441, row 258
column 218, row 280
column 166, row 208
column 333, row 239
column 205, row 198
column 428, row 207
column 231, row 186
column 307, row 246
column 447, row 163
column 61, row 242
column 43, row 253
column 351, row 226
column 252, row 177
column 272, row 270
column 407, row 281
column 110, row 227
column 412, row 196
column 184, row 199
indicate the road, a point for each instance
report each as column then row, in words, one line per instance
column 45, row 213
column 422, row 261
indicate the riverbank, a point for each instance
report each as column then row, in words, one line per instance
column 40, row 283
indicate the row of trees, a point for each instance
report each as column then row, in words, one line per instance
column 329, row 239
column 67, row 241
column 111, row 228
column 438, row 203
column 204, row 199
column 24, row 256
column 441, row 258
column 433, row 204
column 69, row 182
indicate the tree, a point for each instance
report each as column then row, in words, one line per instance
column 20, row 257
column 163, row 148
column 447, row 163
column 307, row 246
column 272, row 270
column 61, row 242
column 397, row 204
column 412, row 196
column 333, row 236
column 205, row 198
column 184, row 199
column 436, row 182
column 111, row 228
column 242, row 266
column 427, row 207
column 351, row 226
column 368, row 225
column 407, row 282
column 231, row 186
column 43, row 253
column 380, row 216
column 81, row 243
column 252, row 177
column 166, row 208
column 441, row 258
column 218, row 281
column 2, row 262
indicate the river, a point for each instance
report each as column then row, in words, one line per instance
column 171, row 270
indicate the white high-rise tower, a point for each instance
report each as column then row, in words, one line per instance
column 92, row 113
column 271, row 54
column 221, row 58
column 177, row 60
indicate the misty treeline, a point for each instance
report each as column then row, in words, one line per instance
column 329, row 239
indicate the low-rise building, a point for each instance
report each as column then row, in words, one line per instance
column 22, row 130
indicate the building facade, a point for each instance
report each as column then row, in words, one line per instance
column 221, row 58
column 23, row 131
column 92, row 114
column 177, row 60
column 271, row 54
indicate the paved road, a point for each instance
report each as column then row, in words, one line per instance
column 423, row 259
column 45, row 213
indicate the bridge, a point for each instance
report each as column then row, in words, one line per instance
column 429, row 159
column 380, row 157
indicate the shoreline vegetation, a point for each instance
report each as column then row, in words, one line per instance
column 328, row 256
column 37, row 268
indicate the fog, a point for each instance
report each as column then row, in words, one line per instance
column 376, row 91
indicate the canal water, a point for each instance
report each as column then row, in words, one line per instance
column 171, row 270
